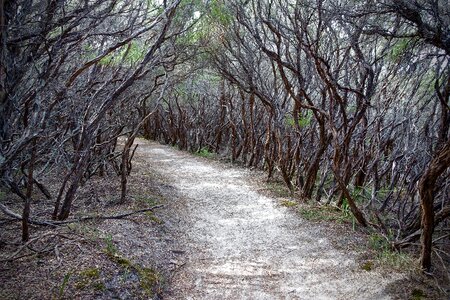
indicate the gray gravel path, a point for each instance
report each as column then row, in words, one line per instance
column 240, row 244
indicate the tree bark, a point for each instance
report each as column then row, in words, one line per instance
column 427, row 184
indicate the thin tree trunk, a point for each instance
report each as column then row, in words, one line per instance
column 124, row 168
column 27, row 204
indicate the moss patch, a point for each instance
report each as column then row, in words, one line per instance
column 89, row 279
column 148, row 279
column 367, row 266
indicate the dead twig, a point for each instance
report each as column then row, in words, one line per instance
column 26, row 245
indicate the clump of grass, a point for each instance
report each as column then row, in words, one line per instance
column 387, row 256
column 324, row 213
column 397, row 260
column 288, row 203
column 204, row 152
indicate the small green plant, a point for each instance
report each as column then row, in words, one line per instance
column 121, row 261
column 347, row 214
column 64, row 284
column 204, row 152
column 93, row 273
column 319, row 213
column 110, row 249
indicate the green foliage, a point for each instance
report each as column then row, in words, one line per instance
column 428, row 82
column 129, row 55
column 360, row 194
column 377, row 242
column 303, row 121
column 401, row 47
column 220, row 13
column 216, row 16
column 90, row 273
column 396, row 260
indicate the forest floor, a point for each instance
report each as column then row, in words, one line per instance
column 222, row 233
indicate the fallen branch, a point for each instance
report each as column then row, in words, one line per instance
column 18, row 217
column 121, row 216
column 26, row 245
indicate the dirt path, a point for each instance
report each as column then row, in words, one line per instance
column 239, row 244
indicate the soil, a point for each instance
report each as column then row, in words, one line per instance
column 222, row 234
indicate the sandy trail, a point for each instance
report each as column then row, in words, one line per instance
column 240, row 244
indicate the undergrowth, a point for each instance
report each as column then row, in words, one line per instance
column 385, row 255
column 204, row 152
column 325, row 213
column 149, row 279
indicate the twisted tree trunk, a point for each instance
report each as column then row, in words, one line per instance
column 427, row 183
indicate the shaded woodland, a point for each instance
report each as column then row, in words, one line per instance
column 347, row 101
